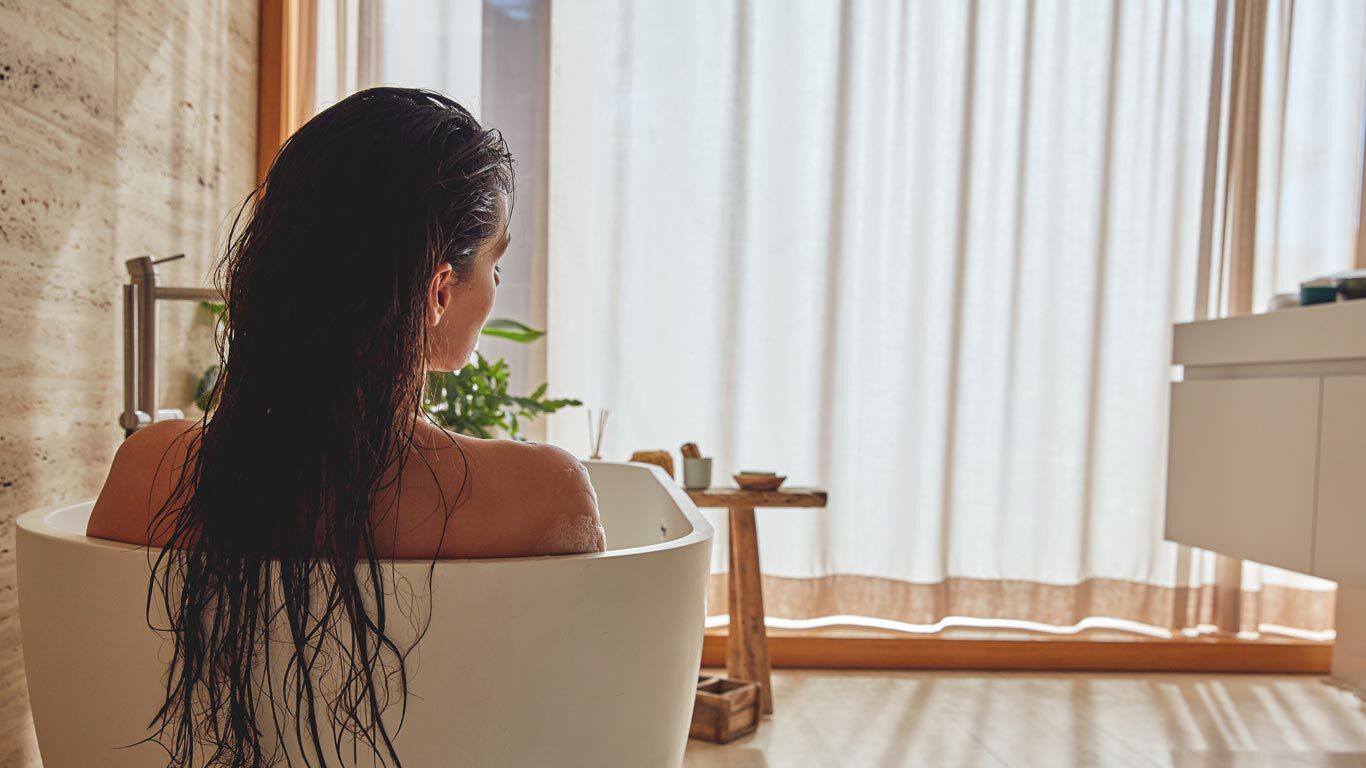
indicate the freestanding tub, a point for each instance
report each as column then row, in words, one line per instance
column 581, row 660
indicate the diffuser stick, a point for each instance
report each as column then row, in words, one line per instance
column 595, row 432
column 602, row 430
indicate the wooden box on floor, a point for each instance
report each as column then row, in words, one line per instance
column 725, row 709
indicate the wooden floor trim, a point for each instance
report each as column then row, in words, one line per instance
column 1052, row 655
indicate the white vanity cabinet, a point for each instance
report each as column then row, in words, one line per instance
column 1241, row 468
column 1340, row 512
column 1267, row 451
column 1267, row 448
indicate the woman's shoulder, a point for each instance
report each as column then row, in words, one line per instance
column 141, row 477
column 505, row 457
column 541, row 475
column 527, row 498
column 526, row 455
column 158, row 436
column 156, row 453
column 559, row 497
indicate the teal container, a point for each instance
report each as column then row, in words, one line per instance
column 1317, row 294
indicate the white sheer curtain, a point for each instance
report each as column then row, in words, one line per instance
column 926, row 255
column 1307, row 209
column 423, row 43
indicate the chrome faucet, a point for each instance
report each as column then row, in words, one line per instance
column 140, row 297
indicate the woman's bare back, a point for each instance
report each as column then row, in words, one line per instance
column 457, row 497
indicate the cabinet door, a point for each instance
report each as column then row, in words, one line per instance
column 1241, row 468
column 1340, row 530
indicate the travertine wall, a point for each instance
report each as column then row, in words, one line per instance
column 127, row 127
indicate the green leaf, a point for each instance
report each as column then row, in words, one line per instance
column 512, row 331
column 206, row 389
column 475, row 400
column 215, row 308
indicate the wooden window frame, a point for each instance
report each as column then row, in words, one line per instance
column 285, row 81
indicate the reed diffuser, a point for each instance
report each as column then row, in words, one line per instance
column 597, row 425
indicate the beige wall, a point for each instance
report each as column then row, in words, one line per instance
column 127, row 127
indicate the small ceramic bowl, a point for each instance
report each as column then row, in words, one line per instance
column 1352, row 288
column 759, row 481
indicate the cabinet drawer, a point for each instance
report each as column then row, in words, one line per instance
column 1241, row 468
column 1340, row 527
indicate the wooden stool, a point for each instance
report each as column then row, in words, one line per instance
column 746, row 641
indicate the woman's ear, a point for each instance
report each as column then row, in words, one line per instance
column 439, row 294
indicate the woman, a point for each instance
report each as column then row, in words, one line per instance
column 369, row 257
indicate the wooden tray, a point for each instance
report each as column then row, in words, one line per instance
column 725, row 709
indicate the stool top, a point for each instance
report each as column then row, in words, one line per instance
column 738, row 498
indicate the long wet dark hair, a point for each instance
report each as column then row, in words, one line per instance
column 269, row 582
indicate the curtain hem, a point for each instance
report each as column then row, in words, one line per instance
column 1057, row 604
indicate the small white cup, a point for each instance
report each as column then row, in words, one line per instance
column 697, row 474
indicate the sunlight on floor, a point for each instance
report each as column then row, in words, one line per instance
column 826, row 718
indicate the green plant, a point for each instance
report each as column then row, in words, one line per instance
column 475, row 401
column 206, row 388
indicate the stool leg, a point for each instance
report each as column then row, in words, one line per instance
column 746, row 641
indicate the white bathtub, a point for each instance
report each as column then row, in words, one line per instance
column 583, row 660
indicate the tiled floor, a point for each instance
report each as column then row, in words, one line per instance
column 1048, row 720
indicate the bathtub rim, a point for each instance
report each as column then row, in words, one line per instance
column 35, row 523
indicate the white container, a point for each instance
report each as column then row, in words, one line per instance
column 580, row 660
